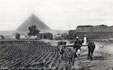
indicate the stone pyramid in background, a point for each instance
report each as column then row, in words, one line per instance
column 33, row 20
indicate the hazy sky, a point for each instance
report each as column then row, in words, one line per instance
column 57, row 14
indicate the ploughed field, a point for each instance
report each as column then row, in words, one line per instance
column 27, row 55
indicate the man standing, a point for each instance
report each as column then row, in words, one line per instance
column 91, row 48
column 77, row 47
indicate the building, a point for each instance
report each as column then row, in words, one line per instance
column 45, row 36
column 94, row 32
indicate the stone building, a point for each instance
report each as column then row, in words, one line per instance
column 94, row 32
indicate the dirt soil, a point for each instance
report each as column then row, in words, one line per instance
column 102, row 58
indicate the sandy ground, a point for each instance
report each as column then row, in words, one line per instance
column 102, row 58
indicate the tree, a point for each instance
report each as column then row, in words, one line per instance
column 2, row 37
column 17, row 36
column 33, row 30
column 72, row 34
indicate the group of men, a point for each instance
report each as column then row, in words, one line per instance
column 78, row 44
column 77, row 48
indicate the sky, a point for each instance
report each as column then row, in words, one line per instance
column 57, row 14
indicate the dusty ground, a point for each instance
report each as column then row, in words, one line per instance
column 103, row 58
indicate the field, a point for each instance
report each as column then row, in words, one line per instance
column 102, row 58
column 31, row 55
column 26, row 55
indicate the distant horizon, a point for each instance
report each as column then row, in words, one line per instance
column 61, row 29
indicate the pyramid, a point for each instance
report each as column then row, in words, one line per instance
column 32, row 20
